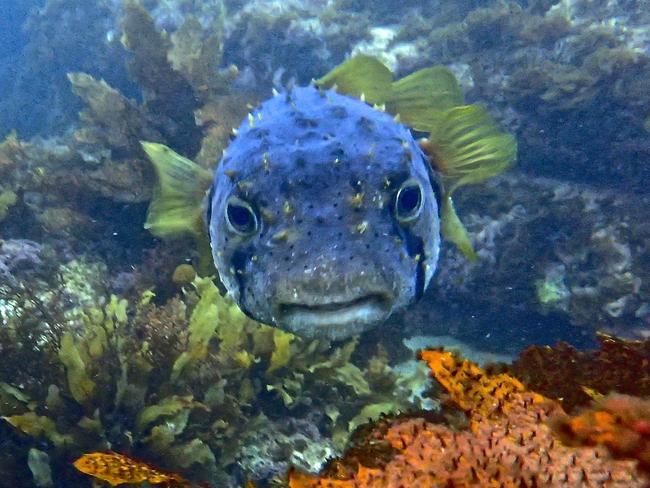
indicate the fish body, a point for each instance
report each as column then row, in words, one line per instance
column 118, row 469
column 323, row 214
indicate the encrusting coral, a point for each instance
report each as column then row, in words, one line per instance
column 507, row 443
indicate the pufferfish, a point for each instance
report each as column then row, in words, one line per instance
column 324, row 215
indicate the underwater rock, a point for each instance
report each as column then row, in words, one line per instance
column 275, row 445
column 568, row 75
column 550, row 252
column 18, row 256
column 279, row 42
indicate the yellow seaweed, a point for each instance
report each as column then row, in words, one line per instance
column 81, row 386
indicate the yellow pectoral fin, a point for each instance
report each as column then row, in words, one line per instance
column 467, row 146
column 453, row 230
column 360, row 75
column 176, row 204
column 421, row 97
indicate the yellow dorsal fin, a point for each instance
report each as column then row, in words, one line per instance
column 418, row 98
column 466, row 146
column 360, row 74
column 176, row 204
column 421, row 97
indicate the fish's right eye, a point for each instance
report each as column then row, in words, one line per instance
column 240, row 217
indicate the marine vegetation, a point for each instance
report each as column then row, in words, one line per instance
column 506, row 440
column 189, row 386
column 264, row 217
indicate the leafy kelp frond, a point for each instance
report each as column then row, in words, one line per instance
column 203, row 323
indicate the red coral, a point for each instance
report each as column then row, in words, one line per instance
column 508, row 444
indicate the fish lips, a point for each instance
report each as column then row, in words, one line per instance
column 333, row 317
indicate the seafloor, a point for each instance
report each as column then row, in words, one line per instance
column 108, row 342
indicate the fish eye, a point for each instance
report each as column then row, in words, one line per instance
column 241, row 217
column 409, row 201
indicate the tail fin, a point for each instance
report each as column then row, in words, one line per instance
column 466, row 147
column 176, row 205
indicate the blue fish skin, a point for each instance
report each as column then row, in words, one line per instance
column 323, row 215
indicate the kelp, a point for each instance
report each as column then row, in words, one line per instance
column 203, row 322
column 177, row 385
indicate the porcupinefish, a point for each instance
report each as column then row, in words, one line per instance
column 324, row 214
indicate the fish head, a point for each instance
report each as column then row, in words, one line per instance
column 323, row 215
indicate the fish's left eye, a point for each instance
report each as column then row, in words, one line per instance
column 241, row 217
column 409, row 201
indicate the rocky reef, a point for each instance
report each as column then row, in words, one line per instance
column 567, row 75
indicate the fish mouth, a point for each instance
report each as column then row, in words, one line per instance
column 334, row 318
